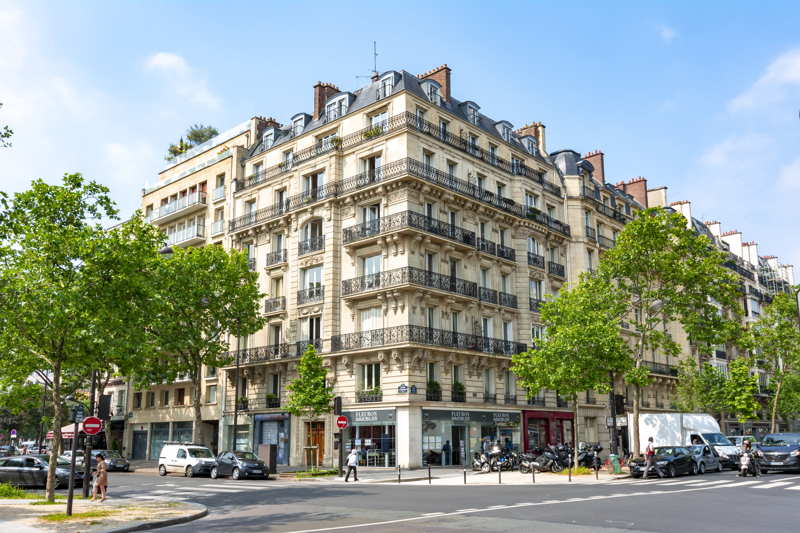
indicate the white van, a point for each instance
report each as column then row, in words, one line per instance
column 187, row 459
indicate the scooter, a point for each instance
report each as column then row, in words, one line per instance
column 589, row 455
column 748, row 464
column 481, row 462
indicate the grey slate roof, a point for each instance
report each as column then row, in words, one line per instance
column 571, row 163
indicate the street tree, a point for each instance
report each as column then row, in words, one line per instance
column 203, row 297
column 582, row 345
column 666, row 272
column 775, row 340
column 67, row 304
column 700, row 388
column 5, row 134
column 22, row 405
column 309, row 394
column 741, row 390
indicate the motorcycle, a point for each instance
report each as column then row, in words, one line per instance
column 546, row 461
column 589, row 455
column 748, row 463
column 481, row 462
column 563, row 455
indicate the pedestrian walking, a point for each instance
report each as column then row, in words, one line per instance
column 650, row 459
column 446, row 453
column 101, row 479
column 352, row 465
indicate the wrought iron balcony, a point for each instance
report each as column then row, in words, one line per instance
column 275, row 258
column 541, row 402
column 536, row 260
column 458, row 396
column 433, row 395
column 424, row 335
column 259, row 354
column 510, row 399
column 556, row 269
column 411, row 276
column 313, row 244
column 487, row 295
column 275, row 305
column 487, row 246
column 535, row 304
column 591, row 233
column 605, row 242
column 367, row 396
column 734, row 265
column 407, row 219
column 489, row 397
column 506, row 252
column 661, row 369
column 254, row 403
column 562, row 402
column 311, row 295
column 508, row 300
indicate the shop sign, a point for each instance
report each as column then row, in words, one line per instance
column 501, row 418
column 622, row 421
column 370, row 416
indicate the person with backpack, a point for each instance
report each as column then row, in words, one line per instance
column 650, row 459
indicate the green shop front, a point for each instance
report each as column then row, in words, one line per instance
column 450, row 437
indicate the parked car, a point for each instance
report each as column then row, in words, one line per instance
column 31, row 471
column 781, row 452
column 707, row 459
column 7, row 450
column 114, row 460
column 239, row 465
column 673, row 461
column 188, row 459
column 739, row 439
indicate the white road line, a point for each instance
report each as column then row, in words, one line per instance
column 437, row 513
column 740, row 484
column 466, row 511
column 497, row 506
column 709, row 483
column 690, row 482
column 209, row 490
column 774, row 485
column 793, row 478
column 793, row 488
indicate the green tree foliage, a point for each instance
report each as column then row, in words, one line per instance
column 741, row 389
column 196, row 134
column 583, row 343
column 700, row 388
column 309, row 395
column 5, row 135
column 21, row 404
column 666, row 272
column 68, row 298
column 203, row 296
column 775, row 340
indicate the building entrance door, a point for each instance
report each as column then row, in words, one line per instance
column 458, row 444
column 315, row 436
column 139, row 445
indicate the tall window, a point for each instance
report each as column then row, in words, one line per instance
column 371, row 264
column 504, row 283
column 537, row 333
column 268, row 138
column 297, row 126
column 531, row 200
column 427, row 159
column 516, row 165
column 590, row 259
column 430, row 317
column 485, row 278
column 472, row 114
column 455, row 318
column 473, row 143
column 312, row 277
column 313, row 184
column 372, row 166
column 211, row 394
column 370, row 213
column 451, row 169
column 457, row 374
column 431, row 372
column 386, row 86
column 587, row 218
column 508, row 331
column 488, row 381
column 442, row 129
column 370, row 319
column 370, row 376
column 533, row 246
column 510, row 383
column 288, row 158
column 433, row 93
column 501, row 190
column 506, row 133
column 311, row 328
column 553, row 254
column 275, row 336
column 430, row 262
column 486, row 324
column 378, row 120
column 492, row 153
column 535, row 289
column 312, row 230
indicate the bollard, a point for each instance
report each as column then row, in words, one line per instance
column 499, row 474
column 398, row 473
column 569, row 472
column 596, row 473
column 533, row 475
column 429, row 474
column 465, row 476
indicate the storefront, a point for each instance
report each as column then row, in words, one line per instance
column 273, row 428
column 450, row 437
column 546, row 427
column 159, row 434
column 373, row 433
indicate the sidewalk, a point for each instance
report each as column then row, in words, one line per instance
column 455, row 476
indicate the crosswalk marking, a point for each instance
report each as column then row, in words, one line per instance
column 741, row 484
column 773, row 485
column 708, row 483
column 797, row 487
column 690, row 482
column 211, row 490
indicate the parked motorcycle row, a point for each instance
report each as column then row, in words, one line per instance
column 551, row 458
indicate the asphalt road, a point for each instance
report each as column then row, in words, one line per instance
column 696, row 504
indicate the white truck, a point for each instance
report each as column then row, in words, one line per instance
column 683, row 429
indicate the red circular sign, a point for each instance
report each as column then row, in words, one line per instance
column 341, row 422
column 92, row 425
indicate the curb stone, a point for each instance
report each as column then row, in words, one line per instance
column 201, row 511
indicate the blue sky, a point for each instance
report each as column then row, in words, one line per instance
column 700, row 96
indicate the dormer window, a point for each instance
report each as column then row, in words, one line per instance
column 387, row 83
column 433, row 93
column 297, row 126
column 472, row 114
column 336, row 109
column 506, row 133
column 268, row 138
column 531, row 146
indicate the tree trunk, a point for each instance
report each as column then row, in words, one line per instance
column 575, row 429
column 775, row 400
column 637, row 393
column 57, row 422
column 198, row 413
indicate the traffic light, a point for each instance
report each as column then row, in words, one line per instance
column 337, row 405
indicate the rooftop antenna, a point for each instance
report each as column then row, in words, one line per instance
column 374, row 61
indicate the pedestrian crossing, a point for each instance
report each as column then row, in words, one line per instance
column 762, row 483
column 175, row 491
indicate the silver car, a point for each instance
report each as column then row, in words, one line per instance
column 707, row 460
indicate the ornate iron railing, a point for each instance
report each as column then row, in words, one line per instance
column 487, row 295
column 535, row 304
column 556, row 269
column 541, row 402
column 510, row 399
column 366, row 396
column 433, row 395
column 661, row 368
column 489, row 397
column 536, row 260
column 591, row 233
column 412, row 276
column 313, row 244
column 487, row 246
column 407, row 219
column 274, row 305
column 311, row 295
column 275, row 258
column 506, row 252
column 458, row 396
column 605, row 242
column 508, row 300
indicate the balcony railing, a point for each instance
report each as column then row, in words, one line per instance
column 508, row 300
column 218, row 193
column 397, row 169
column 411, row 276
column 489, row 397
column 487, row 295
column 407, row 219
column 739, row 269
column 536, row 260
column 535, row 304
column 605, row 242
column 458, row 396
column 487, row 246
column 602, row 208
column 506, row 252
column 537, row 401
column 510, row 399
column 433, row 395
column 275, row 305
column 661, row 368
column 556, row 269
column 186, row 234
column 275, row 352
column 197, row 198
column 311, row 295
column 311, row 245
column 366, row 396
column 562, row 402
column 591, row 233
column 253, row 403
column 217, row 227
column 424, row 335
column 275, row 258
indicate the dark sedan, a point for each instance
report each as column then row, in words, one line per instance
column 31, row 471
column 239, row 465
column 780, row 452
column 671, row 460
column 114, row 460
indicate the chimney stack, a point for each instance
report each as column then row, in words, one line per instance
column 441, row 75
column 636, row 187
column 536, row 129
column 597, row 160
column 322, row 91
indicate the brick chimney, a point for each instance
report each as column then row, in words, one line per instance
column 636, row 187
column 536, row 129
column 441, row 75
column 597, row 161
column 322, row 91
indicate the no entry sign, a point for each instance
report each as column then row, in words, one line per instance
column 341, row 422
column 92, row 425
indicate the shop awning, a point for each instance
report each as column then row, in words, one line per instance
column 68, row 431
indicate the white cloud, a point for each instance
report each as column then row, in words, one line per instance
column 667, row 34
column 182, row 77
column 780, row 78
column 789, row 176
column 734, row 150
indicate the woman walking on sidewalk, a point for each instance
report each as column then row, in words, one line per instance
column 352, row 465
column 101, row 479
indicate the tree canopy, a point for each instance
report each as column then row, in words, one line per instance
column 196, row 134
column 309, row 394
column 5, row 134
